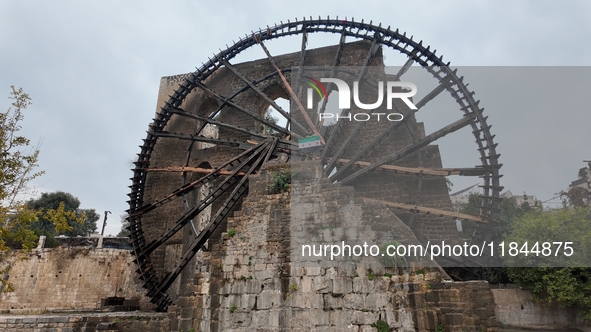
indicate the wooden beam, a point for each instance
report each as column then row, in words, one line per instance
column 431, row 211
column 420, row 170
column 261, row 93
column 464, row 121
column 254, row 115
column 290, row 90
column 191, row 170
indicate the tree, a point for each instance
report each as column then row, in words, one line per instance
column 566, row 279
column 18, row 160
column 75, row 221
column 88, row 226
column 508, row 211
column 268, row 130
column 544, row 276
column 124, row 225
column 576, row 197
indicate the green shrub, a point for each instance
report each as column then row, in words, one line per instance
column 381, row 326
column 280, row 181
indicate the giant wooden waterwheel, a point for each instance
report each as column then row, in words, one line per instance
column 242, row 148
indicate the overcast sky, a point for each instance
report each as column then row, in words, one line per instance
column 93, row 70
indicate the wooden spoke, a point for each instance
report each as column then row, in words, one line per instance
column 445, row 82
column 466, row 120
column 294, row 97
column 228, row 182
column 431, row 211
column 477, row 171
column 242, row 109
column 232, row 163
column 405, row 67
column 201, row 139
column 223, row 211
column 285, row 144
column 335, row 64
column 360, row 77
column 374, row 143
column 262, row 94
column 187, row 169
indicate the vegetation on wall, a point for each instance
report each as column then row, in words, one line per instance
column 280, row 181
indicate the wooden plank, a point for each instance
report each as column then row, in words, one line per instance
column 191, row 170
column 198, row 138
column 431, row 211
column 420, row 170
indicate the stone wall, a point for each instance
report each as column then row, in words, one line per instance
column 106, row 322
column 516, row 308
column 72, row 278
column 251, row 279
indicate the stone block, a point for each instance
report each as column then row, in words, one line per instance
column 362, row 285
column 264, row 275
column 366, row 328
column 449, row 295
column 319, row 317
column 225, row 289
column 453, row 319
column 205, row 326
column 381, row 284
column 103, row 326
column 238, row 287
column 364, row 318
column 316, row 301
column 274, row 317
column 305, row 284
column 42, row 329
column 268, row 300
column 313, row 270
column 260, row 318
column 341, row 317
column 381, row 300
column 432, row 297
column 342, row 285
column 436, row 285
column 247, row 301
column 253, row 286
column 354, row 301
column 417, row 300
column 321, row 285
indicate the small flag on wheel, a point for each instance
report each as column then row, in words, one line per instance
column 309, row 144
